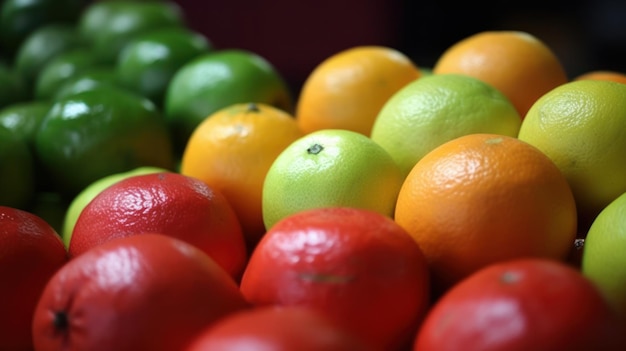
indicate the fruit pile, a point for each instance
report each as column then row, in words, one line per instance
column 160, row 193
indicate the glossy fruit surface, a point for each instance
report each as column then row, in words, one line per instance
column 526, row 304
column 219, row 79
column 277, row 329
column 517, row 63
column 358, row 267
column 333, row 167
column 483, row 198
column 346, row 90
column 144, row 292
column 233, row 149
column 31, row 252
column 432, row 110
column 581, row 126
column 167, row 203
column 99, row 132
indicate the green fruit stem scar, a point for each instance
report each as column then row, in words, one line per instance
column 315, row 149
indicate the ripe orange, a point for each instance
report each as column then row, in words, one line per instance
column 356, row 266
column 521, row 305
column 232, row 150
column 286, row 328
column 30, row 253
column 517, row 63
column 168, row 203
column 484, row 198
column 143, row 292
column 614, row 76
column 347, row 90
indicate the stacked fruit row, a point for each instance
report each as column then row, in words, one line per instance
column 159, row 193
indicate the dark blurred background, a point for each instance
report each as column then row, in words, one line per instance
column 295, row 36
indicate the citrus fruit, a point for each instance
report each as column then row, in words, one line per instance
column 484, row 198
column 517, row 63
column 99, row 132
column 19, row 18
column 216, row 80
column 89, row 79
column 17, row 170
column 148, row 63
column 23, row 118
column 613, row 76
column 347, row 90
column 233, row 149
column 581, row 126
column 81, row 200
column 13, row 87
column 107, row 26
column 145, row 292
column 31, row 253
column 167, row 203
column 603, row 253
column 333, row 167
column 437, row 108
column 520, row 305
column 41, row 46
column 276, row 328
column 357, row 267
column 61, row 68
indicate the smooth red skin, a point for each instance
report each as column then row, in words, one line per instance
column 358, row 267
column 168, row 203
column 276, row 329
column 521, row 305
column 144, row 292
column 30, row 253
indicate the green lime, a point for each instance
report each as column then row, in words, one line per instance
column 12, row 87
column 19, row 18
column 604, row 253
column 17, row 181
column 109, row 25
column 60, row 69
column 24, row 118
column 41, row 46
column 330, row 168
column 95, row 133
column 89, row 79
column 218, row 79
column 438, row 108
column 148, row 63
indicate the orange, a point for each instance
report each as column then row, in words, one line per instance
column 167, row 203
column 483, row 198
column 355, row 266
column 232, row 150
column 517, row 63
column 348, row 89
column 614, row 76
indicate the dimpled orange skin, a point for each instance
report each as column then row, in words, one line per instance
column 168, row 203
column 484, row 198
column 517, row 63
column 348, row 89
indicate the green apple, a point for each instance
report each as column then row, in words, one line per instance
column 604, row 253
column 84, row 197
